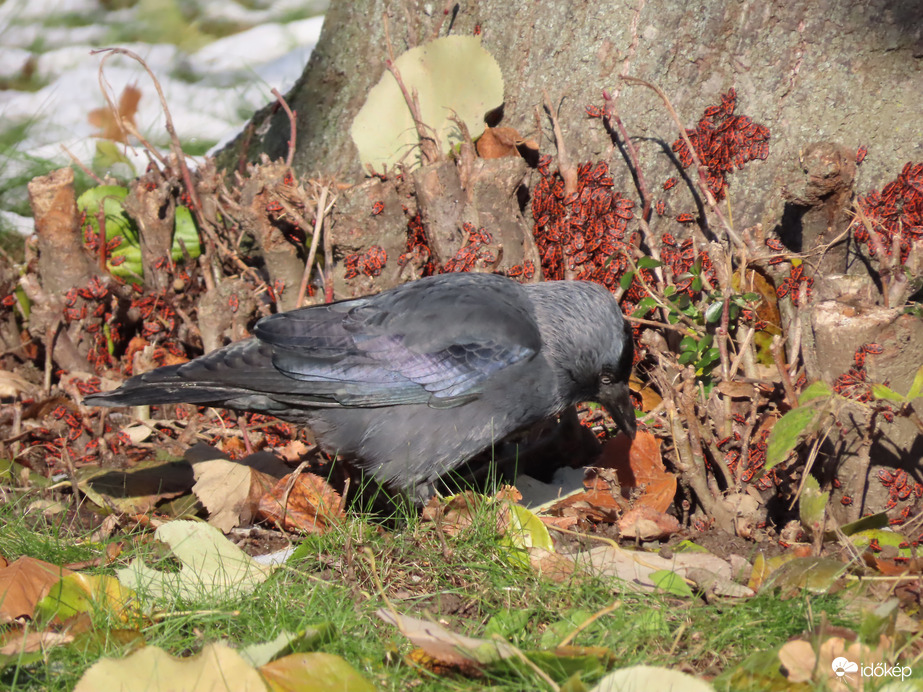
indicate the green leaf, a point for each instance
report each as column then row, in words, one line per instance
column 689, row 343
column 185, row 234
column 672, row 583
column 872, row 521
column 649, row 263
column 706, row 342
column 916, row 388
column 751, row 297
column 107, row 201
column 713, row 312
column 786, row 434
column 669, row 290
column 690, row 311
column 625, row 281
column 710, row 356
column 453, row 76
column 686, row 357
column 812, row 506
column 697, row 283
column 644, row 306
column 813, row 391
column 881, row 391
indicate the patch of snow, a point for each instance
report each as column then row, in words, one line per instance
column 12, row 60
column 14, row 222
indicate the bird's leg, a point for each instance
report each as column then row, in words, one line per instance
column 242, row 424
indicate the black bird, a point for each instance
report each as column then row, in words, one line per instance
column 411, row 383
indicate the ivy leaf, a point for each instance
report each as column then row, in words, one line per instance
column 786, row 434
column 713, row 312
column 916, row 388
column 813, row 391
column 881, row 391
column 644, row 306
column 625, row 281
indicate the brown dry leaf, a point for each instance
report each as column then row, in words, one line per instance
column 312, row 504
column 636, row 567
column 639, row 465
column 445, row 646
column 645, row 523
column 799, row 660
column 553, row 566
column 650, row 399
column 768, row 308
column 454, row 514
column 600, row 502
column 15, row 643
column 737, row 390
column 24, row 583
column 294, row 450
column 562, row 522
column 893, row 567
column 497, row 142
column 108, row 123
column 230, row 491
column 12, row 385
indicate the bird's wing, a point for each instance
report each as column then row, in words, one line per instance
column 436, row 344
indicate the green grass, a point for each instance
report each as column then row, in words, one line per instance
column 467, row 583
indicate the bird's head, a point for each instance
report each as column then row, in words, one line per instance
column 612, row 385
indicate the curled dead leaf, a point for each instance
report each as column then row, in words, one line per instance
column 311, row 505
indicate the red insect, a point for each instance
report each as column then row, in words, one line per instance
column 670, row 183
column 685, row 218
column 594, row 111
column 233, row 302
column 377, row 208
column 860, row 154
column 660, row 207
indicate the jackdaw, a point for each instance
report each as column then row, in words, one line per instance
column 411, row 383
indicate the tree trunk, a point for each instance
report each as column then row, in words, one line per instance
column 826, row 78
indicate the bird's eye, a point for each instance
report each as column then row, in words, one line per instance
column 606, row 379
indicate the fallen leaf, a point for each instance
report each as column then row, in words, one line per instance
column 138, row 489
column 230, row 491
column 447, row 646
column 639, row 466
column 311, row 506
column 88, row 593
column 151, row 669
column 636, row 567
column 29, row 642
column 314, row 672
column 645, row 678
column 108, row 122
column 554, row 566
column 212, row 566
column 498, row 142
column 23, row 583
column 647, row 524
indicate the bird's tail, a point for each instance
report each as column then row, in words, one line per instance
column 161, row 386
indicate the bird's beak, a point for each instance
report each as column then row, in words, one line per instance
column 617, row 402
